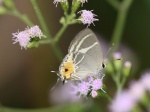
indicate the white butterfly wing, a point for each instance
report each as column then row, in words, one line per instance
column 88, row 53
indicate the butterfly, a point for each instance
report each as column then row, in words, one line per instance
column 84, row 58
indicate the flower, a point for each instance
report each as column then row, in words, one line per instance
column 82, row 1
column 24, row 37
column 97, row 84
column 94, row 94
column 57, row 1
column 83, row 88
column 136, row 90
column 145, row 80
column 35, row 31
column 87, row 17
column 127, row 99
column 122, row 102
column 88, row 86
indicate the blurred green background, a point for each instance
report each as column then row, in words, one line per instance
column 25, row 77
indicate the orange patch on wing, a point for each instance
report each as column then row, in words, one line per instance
column 67, row 69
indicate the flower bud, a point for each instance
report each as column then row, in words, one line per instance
column 65, row 6
column 127, row 68
column 62, row 20
column 94, row 94
column 75, row 6
column 117, row 61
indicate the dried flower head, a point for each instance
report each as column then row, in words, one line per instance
column 87, row 17
column 57, row 1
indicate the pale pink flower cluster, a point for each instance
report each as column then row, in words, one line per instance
column 57, row 1
column 24, row 37
column 87, row 17
column 88, row 87
column 127, row 99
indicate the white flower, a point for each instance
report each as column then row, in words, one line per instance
column 87, row 17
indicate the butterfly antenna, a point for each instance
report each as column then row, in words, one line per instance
column 110, row 48
column 55, row 85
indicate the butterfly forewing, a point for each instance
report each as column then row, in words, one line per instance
column 87, row 51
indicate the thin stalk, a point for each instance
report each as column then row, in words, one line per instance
column 114, row 3
column 45, row 41
column 120, row 24
column 118, row 30
column 59, row 34
column 108, row 97
column 54, row 46
column 41, row 18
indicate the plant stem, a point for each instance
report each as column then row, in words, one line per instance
column 61, row 31
column 54, row 46
column 108, row 97
column 41, row 18
column 45, row 41
column 120, row 24
column 117, row 33
column 114, row 3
